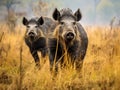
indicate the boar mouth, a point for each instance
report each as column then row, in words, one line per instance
column 31, row 35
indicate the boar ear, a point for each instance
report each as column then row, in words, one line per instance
column 40, row 20
column 25, row 21
column 56, row 14
column 78, row 15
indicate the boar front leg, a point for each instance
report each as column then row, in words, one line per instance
column 36, row 57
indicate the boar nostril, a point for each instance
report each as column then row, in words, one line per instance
column 69, row 36
column 31, row 33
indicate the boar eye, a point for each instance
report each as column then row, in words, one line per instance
column 62, row 23
column 28, row 26
column 36, row 26
column 74, row 23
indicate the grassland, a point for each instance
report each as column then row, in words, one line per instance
column 101, row 69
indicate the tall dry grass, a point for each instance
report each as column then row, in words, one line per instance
column 101, row 69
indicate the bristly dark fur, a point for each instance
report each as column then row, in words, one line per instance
column 66, row 13
column 39, row 43
column 76, row 49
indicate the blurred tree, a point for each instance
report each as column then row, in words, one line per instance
column 112, row 22
column 96, row 2
column 107, row 9
column 11, row 17
column 42, row 8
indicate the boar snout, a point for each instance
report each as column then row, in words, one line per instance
column 69, row 36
